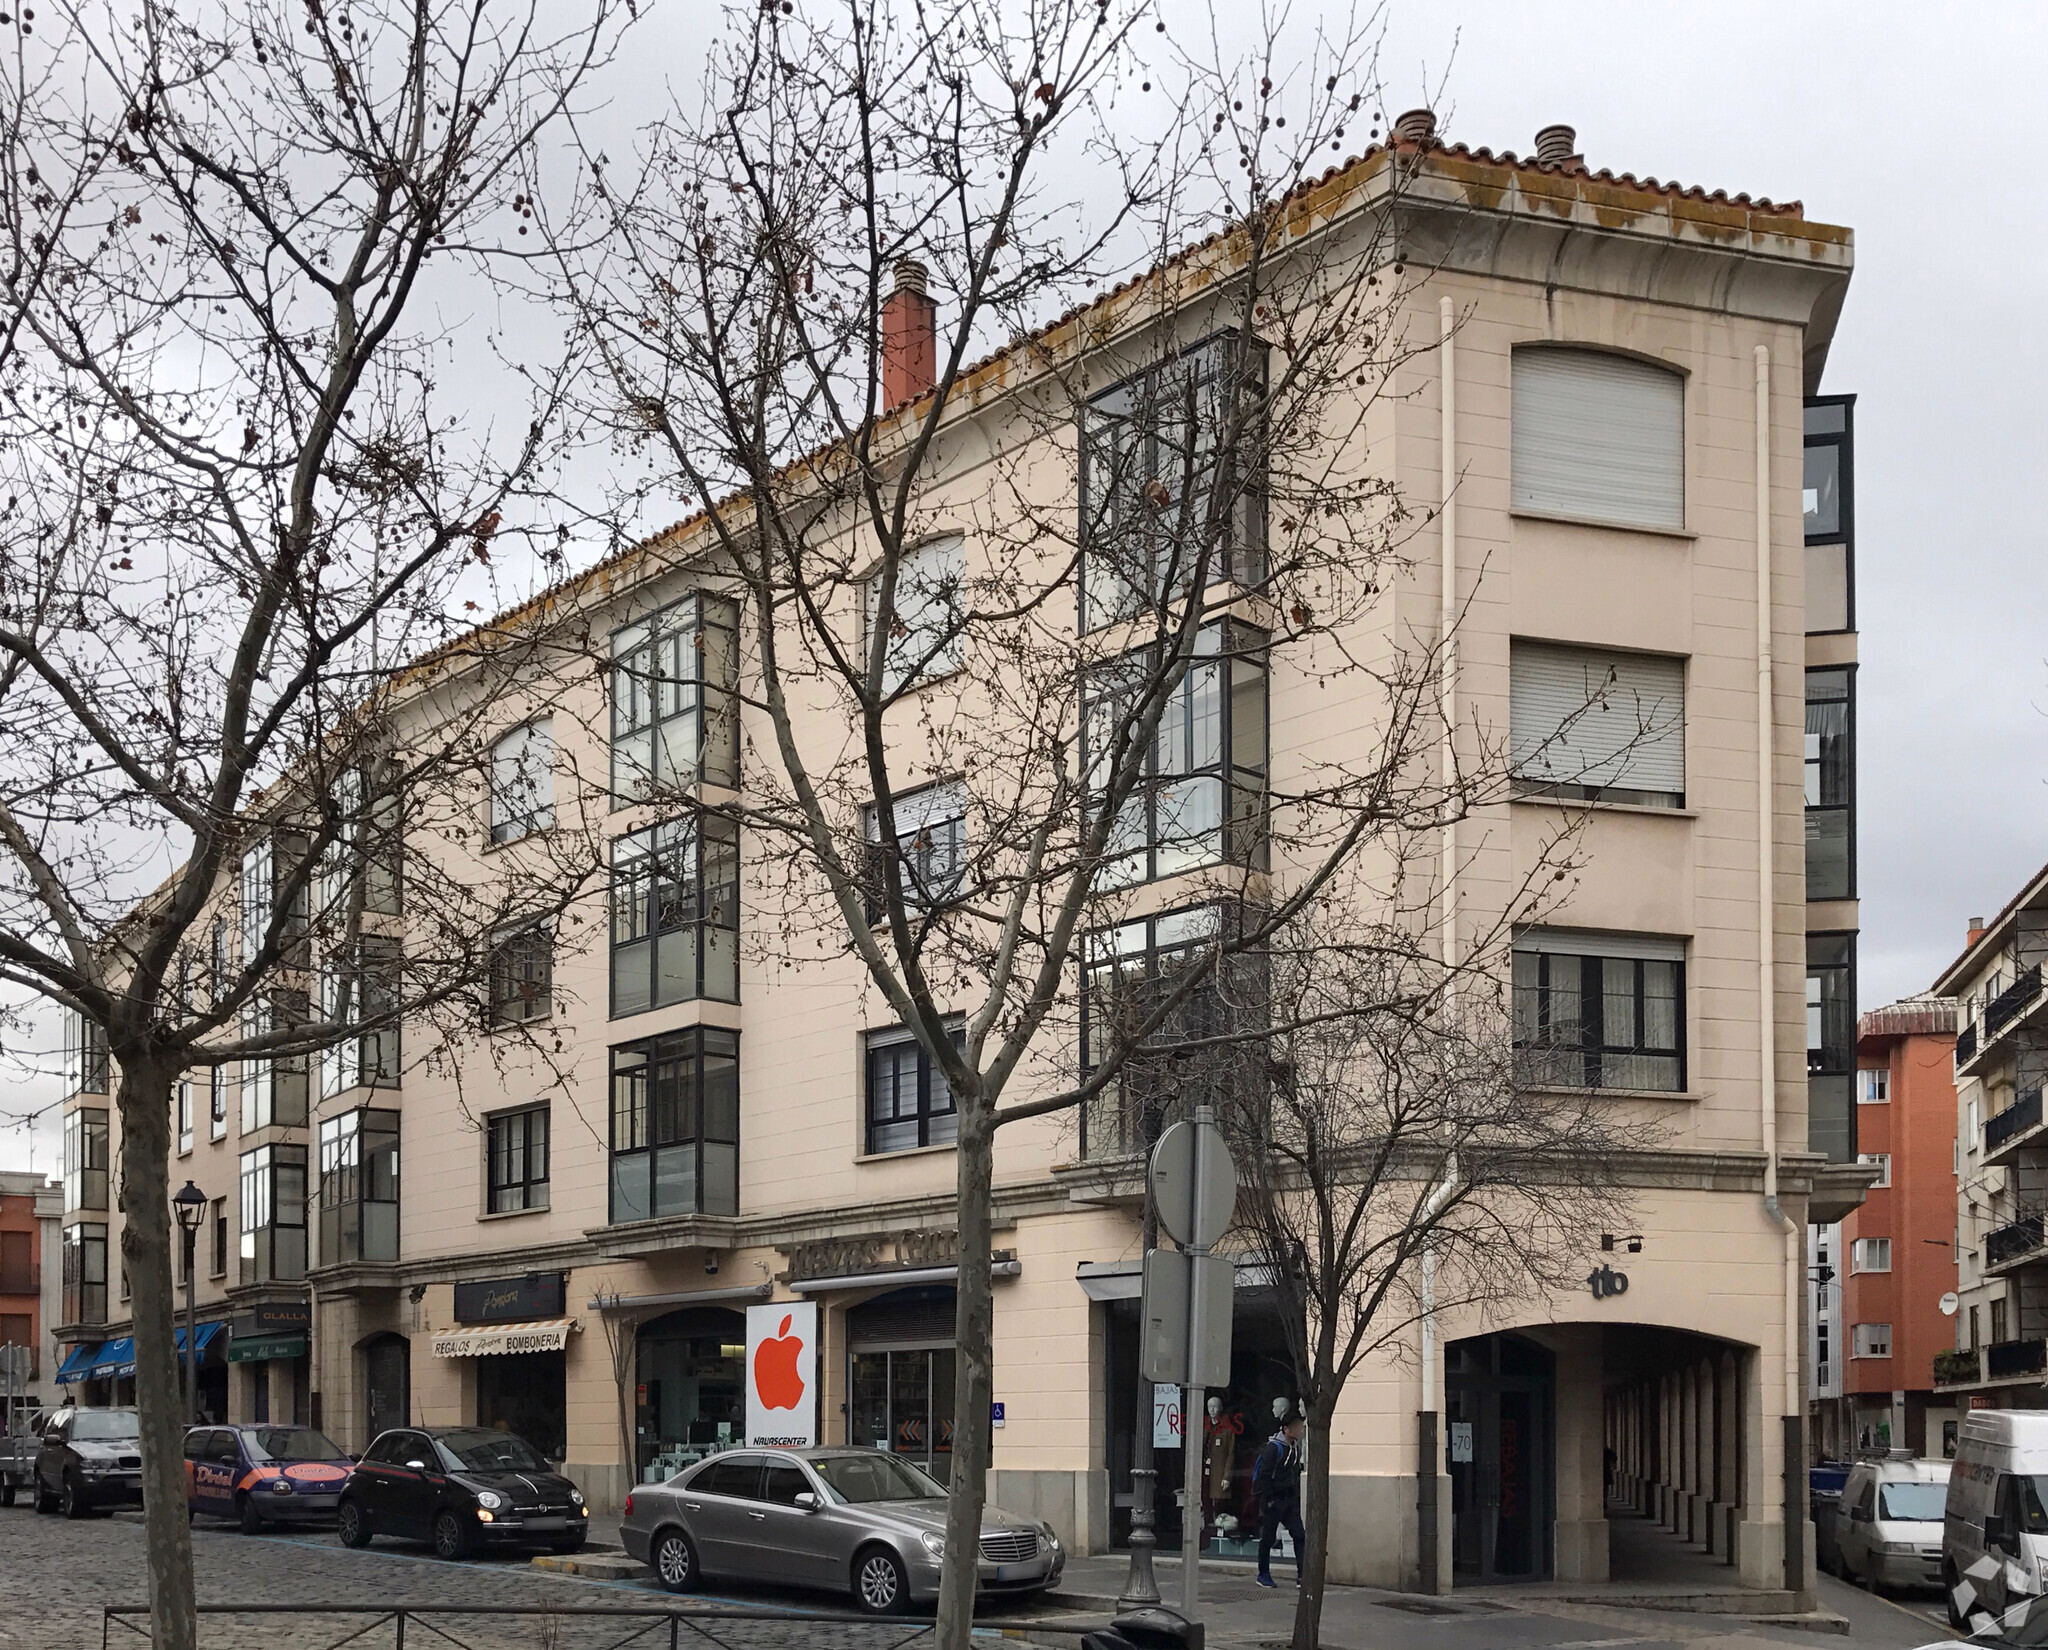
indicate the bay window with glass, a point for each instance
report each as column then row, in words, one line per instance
column 274, row 1087
column 673, row 719
column 1200, row 793
column 1599, row 1011
column 1830, row 499
column 86, row 1066
column 675, row 901
column 360, row 989
column 675, row 1126
column 85, row 1159
column 1830, row 784
column 359, row 1187
column 1831, row 1046
column 85, row 1273
column 273, row 1227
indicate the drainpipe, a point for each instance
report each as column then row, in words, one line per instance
column 1766, row 929
column 1428, row 1444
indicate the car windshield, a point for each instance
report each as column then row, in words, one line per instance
column 105, row 1424
column 2024, row 1626
column 480, row 1451
column 861, row 1478
column 292, row 1444
column 1912, row 1503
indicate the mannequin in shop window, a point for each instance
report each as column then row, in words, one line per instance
column 1219, row 1442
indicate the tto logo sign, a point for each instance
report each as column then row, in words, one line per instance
column 782, row 1367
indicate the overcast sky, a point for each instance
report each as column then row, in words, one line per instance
column 1910, row 127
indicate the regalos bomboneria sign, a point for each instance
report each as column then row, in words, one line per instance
column 782, row 1375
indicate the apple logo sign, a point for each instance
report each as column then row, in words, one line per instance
column 776, row 1377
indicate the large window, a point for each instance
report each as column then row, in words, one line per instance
column 217, row 1102
column 927, row 607
column 931, row 849
column 675, row 1138
column 523, row 781
column 1173, row 476
column 1830, row 494
column 675, row 915
column 85, row 1274
column 522, row 976
column 362, row 865
column 1129, row 974
column 1830, row 785
column 219, row 1223
column 85, row 1159
column 273, row 1087
column 274, row 1215
column 1200, row 795
column 909, row 1101
column 1594, row 726
column 1871, row 1255
column 184, row 1115
column 85, row 1055
column 673, row 722
column 1599, row 1011
column 362, row 992
column 516, row 1159
column 359, row 1187
column 1873, row 1340
column 1598, row 437
column 265, row 866
column 1831, row 1046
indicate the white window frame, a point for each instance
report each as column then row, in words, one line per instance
column 1874, row 1086
column 931, row 836
column 1883, row 1160
column 1598, row 437
column 931, row 579
column 523, row 781
column 1872, row 1340
column 1871, row 1254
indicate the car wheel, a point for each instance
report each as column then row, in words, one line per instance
column 45, row 1501
column 351, row 1525
column 1956, row 1623
column 880, row 1588
column 71, row 1500
column 674, row 1561
column 451, row 1536
column 6, row 1495
column 245, row 1511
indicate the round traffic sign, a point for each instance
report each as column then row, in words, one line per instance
column 1194, row 1184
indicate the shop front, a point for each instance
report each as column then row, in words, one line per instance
column 516, row 1331
column 689, row 1388
column 899, row 1375
column 1234, row 1423
column 270, row 1344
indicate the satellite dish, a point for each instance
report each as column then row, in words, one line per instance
column 1948, row 1304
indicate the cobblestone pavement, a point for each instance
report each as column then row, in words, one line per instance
column 56, row 1576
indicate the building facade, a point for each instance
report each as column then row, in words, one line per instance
column 29, row 1208
column 1626, row 402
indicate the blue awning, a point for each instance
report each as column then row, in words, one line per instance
column 207, row 1331
column 78, row 1362
column 116, row 1358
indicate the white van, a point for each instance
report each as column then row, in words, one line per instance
column 1889, row 1528
column 1994, row 1539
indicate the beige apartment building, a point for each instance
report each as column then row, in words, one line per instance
column 1644, row 481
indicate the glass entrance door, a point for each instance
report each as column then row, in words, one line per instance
column 1498, row 1398
column 903, row 1403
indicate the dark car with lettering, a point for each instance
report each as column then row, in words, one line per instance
column 460, row 1488
column 262, row 1475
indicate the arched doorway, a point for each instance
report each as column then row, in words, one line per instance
column 387, row 1383
column 689, row 1389
column 1500, row 1401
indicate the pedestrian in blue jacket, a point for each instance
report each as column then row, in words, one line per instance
column 1276, row 1477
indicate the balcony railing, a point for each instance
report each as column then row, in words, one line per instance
column 2005, row 1359
column 1966, row 1044
column 2019, row 1117
column 2011, row 1241
column 1956, row 1368
column 2007, row 1006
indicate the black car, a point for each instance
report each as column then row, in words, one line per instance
column 89, row 1458
column 460, row 1488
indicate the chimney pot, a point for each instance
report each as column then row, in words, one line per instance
column 1416, row 126
column 910, row 350
column 1557, row 145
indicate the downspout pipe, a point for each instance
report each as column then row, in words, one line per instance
column 1767, row 1064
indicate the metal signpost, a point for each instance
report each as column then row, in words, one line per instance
column 1185, row 1337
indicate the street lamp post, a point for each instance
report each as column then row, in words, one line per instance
column 190, row 1206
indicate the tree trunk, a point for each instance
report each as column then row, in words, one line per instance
column 145, row 1103
column 974, row 1379
column 1315, row 1519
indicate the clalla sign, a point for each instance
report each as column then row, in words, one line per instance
column 782, row 1375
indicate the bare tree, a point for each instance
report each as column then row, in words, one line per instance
column 1391, row 1165
column 1010, row 623
column 240, row 487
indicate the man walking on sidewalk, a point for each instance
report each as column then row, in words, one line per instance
column 1276, row 1477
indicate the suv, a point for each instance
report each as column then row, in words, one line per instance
column 89, row 1458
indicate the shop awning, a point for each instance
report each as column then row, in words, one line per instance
column 207, row 1333
column 495, row 1340
column 78, row 1362
column 1124, row 1280
column 117, row 1358
column 256, row 1349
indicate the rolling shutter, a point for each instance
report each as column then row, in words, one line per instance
column 1582, row 717
column 1600, row 436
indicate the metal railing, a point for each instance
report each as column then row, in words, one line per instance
column 2012, row 1240
column 2019, row 1117
column 551, row 1627
column 2003, row 1359
column 2008, row 1005
column 1966, row 1044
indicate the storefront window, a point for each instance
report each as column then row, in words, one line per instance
column 526, row 1394
column 900, row 1375
column 690, row 1390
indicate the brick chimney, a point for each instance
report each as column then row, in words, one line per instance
column 1976, row 932
column 910, row 350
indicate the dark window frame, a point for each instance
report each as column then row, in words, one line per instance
column 516, row 810
column 1844, row 441
column 660, row 887
column 85, row 1295
column 894, row 1051
column 87, row 1065
column 1845, row 807
column 523, row 976
column 1536, row 1004
column 533, row 1188
column 269, row 1213
column 88, row 1143
column 359, row 1168
column 657, row 1107
column 932, row 854
column 645, row 698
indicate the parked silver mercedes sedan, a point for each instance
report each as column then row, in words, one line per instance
column 851, row 1520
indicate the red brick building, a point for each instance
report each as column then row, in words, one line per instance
column 1897, row 1257
column 24, row 1207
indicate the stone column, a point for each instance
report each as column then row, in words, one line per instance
column 1581, row 1530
